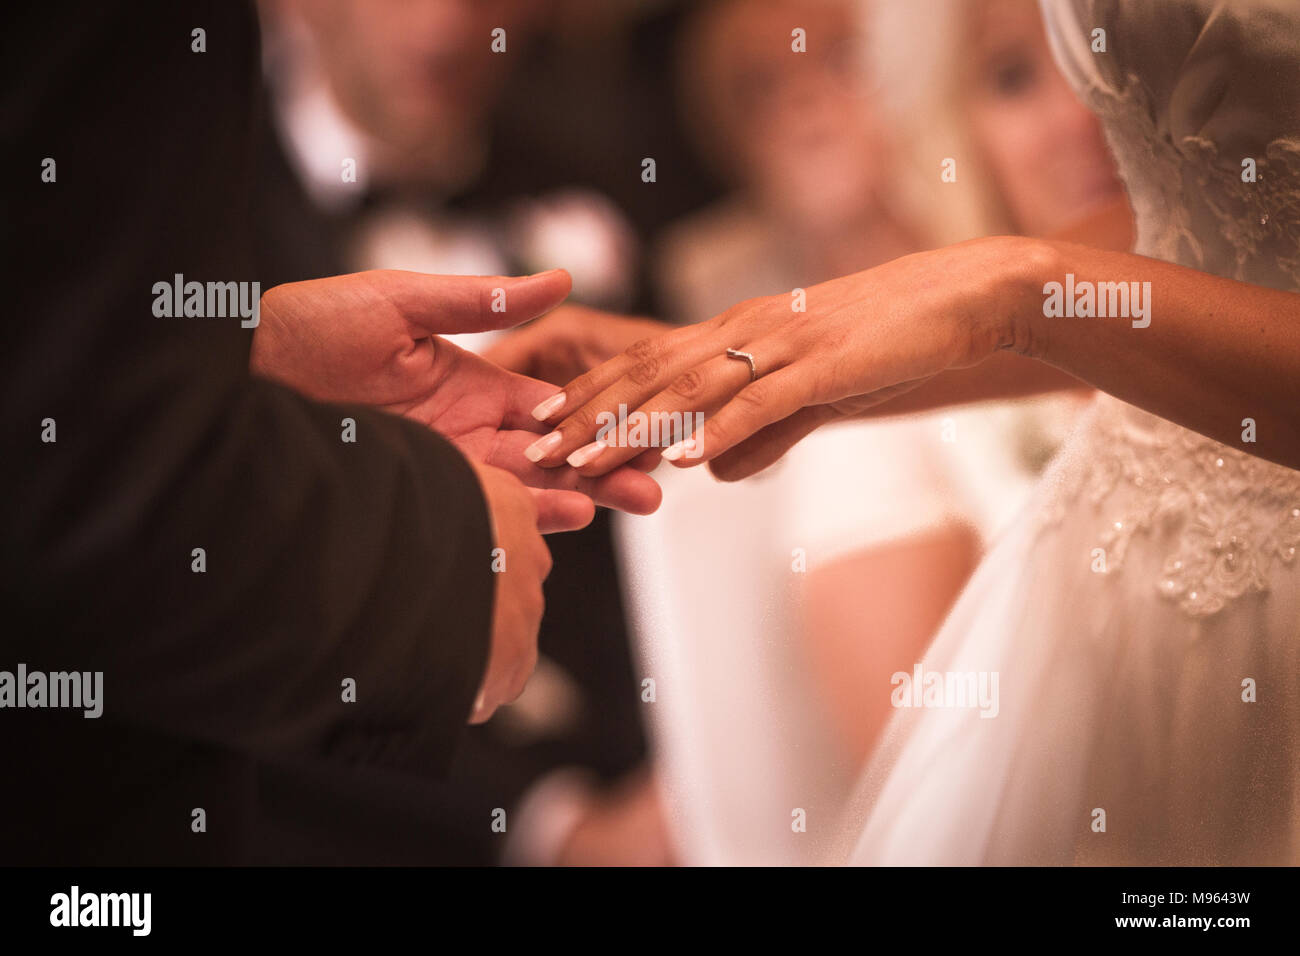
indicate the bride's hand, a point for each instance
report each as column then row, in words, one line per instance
column 862, row 340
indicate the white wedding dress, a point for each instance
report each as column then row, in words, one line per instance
column 1149, row 706
column 740, row 731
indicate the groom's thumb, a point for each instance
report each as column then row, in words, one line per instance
column 445, row 305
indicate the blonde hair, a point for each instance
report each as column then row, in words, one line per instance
column 914, row 53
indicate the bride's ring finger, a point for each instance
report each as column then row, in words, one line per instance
column 649, row 363
column 664, row 420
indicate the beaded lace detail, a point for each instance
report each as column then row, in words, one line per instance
column 1191, row 203
column 1234, row 519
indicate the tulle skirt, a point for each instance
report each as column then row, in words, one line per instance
column 1142, row 619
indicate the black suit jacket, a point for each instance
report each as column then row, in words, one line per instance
column 324, row 560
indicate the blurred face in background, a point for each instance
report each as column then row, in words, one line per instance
column 792, row 128
column 1044, row 149
column 407, row 71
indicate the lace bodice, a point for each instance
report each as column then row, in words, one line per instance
column 1196, row 96
column 1200, row 100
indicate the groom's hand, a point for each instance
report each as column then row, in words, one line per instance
column 371, row 338
column 519, row 570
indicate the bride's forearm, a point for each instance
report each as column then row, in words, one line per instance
column 1209, row 353
column 1005, row 376
column 1217, row 356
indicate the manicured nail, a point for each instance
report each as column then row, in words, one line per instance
column 543, row 447
column 586, row 454
column 476, row 711
column 673, row 452
column 549, row 407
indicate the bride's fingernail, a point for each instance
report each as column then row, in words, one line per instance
column 673, row 452
column 586, row 454
column 543, row 447
column 549, row 407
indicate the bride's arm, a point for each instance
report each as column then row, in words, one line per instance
column 1009, row 376
column 1215, row 352
column 1213, row 355
column 1005, row 375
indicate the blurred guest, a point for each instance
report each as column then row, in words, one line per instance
column 974, row 82
column 1112, row 663
column 795, row 134
column 815, row 163
column 385, row 113
column 573, row 130
column 809, row 164
column 817, row 194
column 798, row 140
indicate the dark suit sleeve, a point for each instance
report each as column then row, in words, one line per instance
column 324, row 560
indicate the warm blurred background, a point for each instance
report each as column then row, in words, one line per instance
column 792, row 141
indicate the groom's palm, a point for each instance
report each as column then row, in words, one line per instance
column 370, row 338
